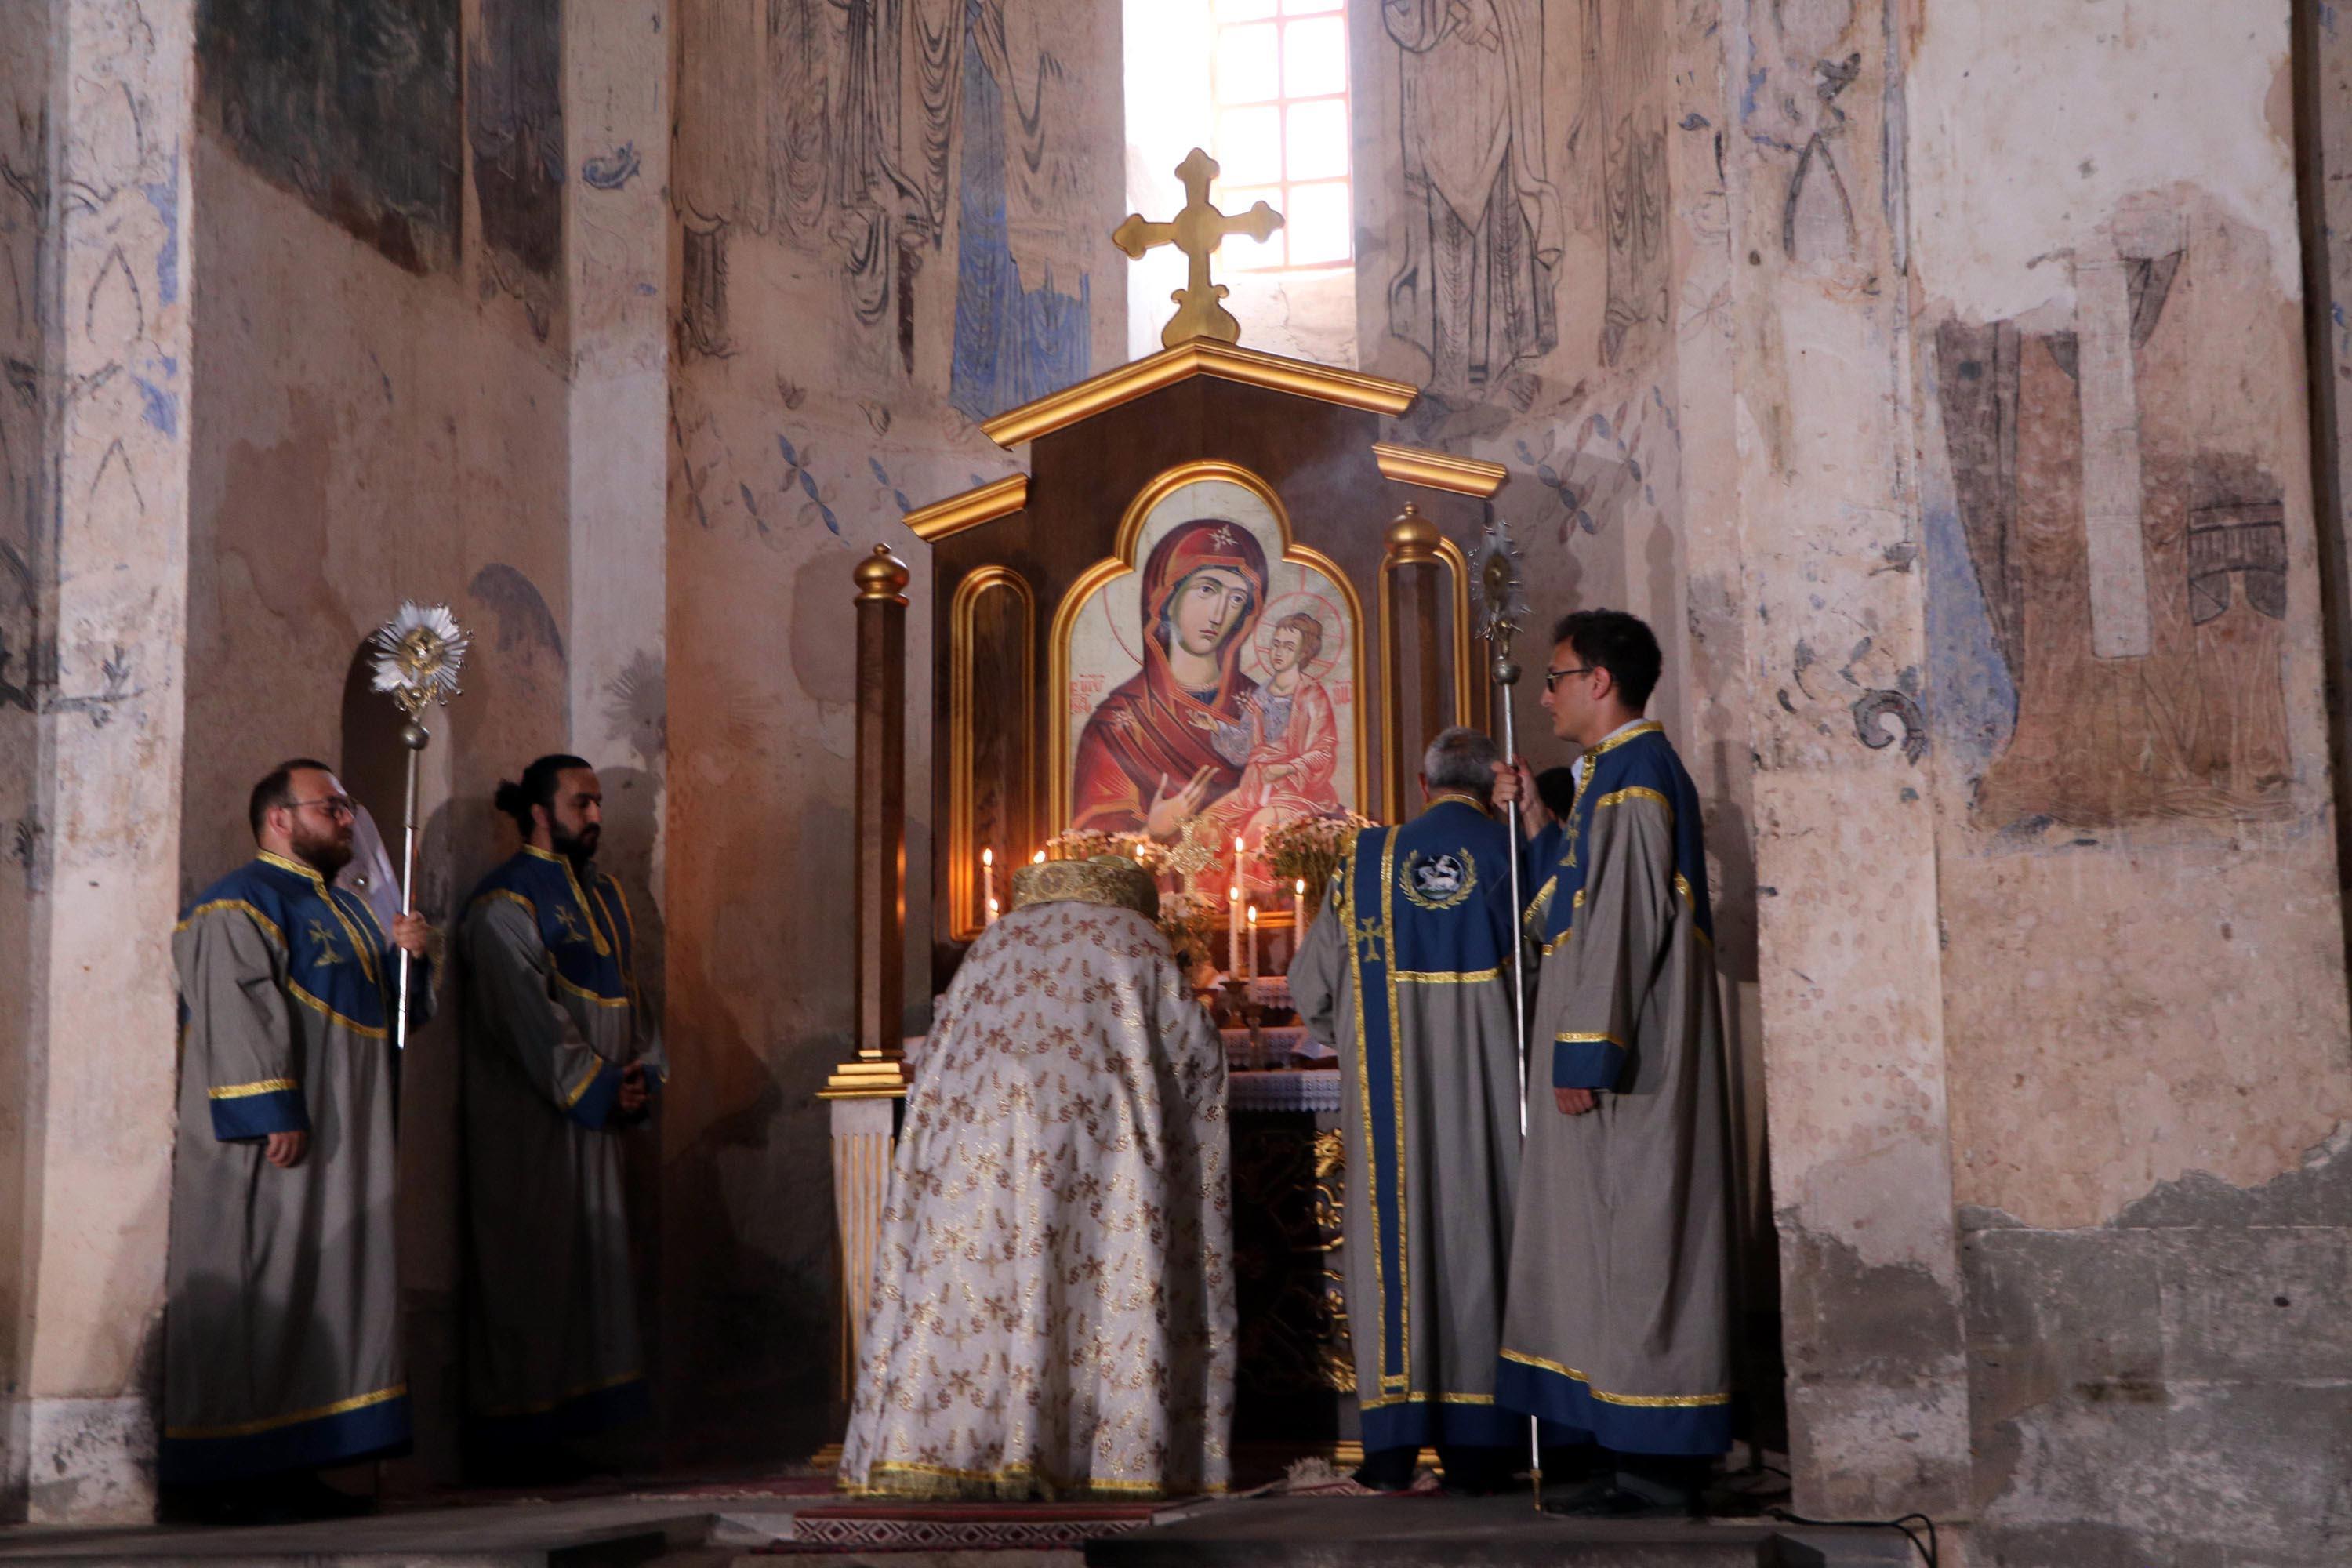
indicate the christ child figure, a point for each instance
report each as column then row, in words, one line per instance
column 1287, row 742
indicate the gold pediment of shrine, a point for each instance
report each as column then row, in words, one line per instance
column 1202, row 356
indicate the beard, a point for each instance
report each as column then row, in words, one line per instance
column 578, row 848
column 325, row 853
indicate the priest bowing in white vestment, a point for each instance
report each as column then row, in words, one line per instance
column 1054, row 1302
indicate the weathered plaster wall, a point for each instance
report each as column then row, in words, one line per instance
column 1848, row 952
column 26, row 259
column 2135, row 850
column 95, row 103
column 892, row 223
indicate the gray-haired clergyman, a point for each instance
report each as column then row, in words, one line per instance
column 1406, row 972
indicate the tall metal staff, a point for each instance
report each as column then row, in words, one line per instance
column 417, row 655
column 1501, row 606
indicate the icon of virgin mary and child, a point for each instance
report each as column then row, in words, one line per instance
column 1190, row 736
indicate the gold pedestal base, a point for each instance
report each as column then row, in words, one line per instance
column 868, row 1078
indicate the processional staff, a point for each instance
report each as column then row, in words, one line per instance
column 1501, row 606
column 418, row 652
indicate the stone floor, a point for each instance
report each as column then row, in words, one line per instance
column 702, row 1529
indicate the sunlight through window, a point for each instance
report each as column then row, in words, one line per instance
column 1279, row 74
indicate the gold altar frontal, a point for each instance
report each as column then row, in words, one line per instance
column 1320, row 638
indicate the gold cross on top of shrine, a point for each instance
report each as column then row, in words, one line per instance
column 1197, row 231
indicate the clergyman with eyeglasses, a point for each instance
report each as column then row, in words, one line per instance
column 1617, row 1330
column 282, row 1337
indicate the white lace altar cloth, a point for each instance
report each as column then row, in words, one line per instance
column 1295, row 1090
column 1053, row 1303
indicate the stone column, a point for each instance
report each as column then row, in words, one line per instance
column 617, row 76
column 1845, row 828
column 618, row 97
column 103, row 681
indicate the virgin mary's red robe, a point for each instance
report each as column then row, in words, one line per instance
column 1150, row 728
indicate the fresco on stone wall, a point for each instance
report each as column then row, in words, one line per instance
column 1481, row 222
column 872, row 116
column 1623, row 119
column 1503, row 158
column 1808, row 132
column 514, row 123
column 1011, row 344
column 350, row 104
column 2123, row 525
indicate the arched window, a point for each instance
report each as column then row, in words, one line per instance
column 1279, row 80
column 1263, row 87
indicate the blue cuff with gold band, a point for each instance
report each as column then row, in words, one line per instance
column 369, row 1425
column 1437, row 1419
column 590, row 1102
column 1587, row 1061
column 257, row 1109
column 1630, row 1424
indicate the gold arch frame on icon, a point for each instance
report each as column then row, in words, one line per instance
column 967, row 917
column 1121, row 563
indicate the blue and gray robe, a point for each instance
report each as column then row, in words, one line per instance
column 552, row 1017
column 1619, row 1326
column 282, row 1338
column 1406, row 971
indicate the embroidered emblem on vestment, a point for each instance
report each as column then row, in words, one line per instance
column 1441, row 881
column 326, row 941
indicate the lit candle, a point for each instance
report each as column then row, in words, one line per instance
column 1297, row 911
column 1233, row 928
column 1250, row 972
column 1038, row 859
column 988, row 881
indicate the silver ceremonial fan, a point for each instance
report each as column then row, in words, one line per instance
column 1495, row 583
column 418, row 654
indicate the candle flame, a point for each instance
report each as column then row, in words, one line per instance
column 988, row 856
column 1299, row 886
column 1253, row 914
column 1234, row 893
column 1038, row 859
column 1237, row 844
column 992, row 906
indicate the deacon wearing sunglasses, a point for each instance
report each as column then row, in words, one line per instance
column 281, row 1339
column 1618, row 1329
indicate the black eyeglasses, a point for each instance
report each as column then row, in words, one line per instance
column 332, row 805
column 1552, row 678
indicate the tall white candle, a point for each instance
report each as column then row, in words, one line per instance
column 988, row 881
column 1250, row 972
column 1297, row 912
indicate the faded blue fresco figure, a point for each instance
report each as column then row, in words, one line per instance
column 1011, row 343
